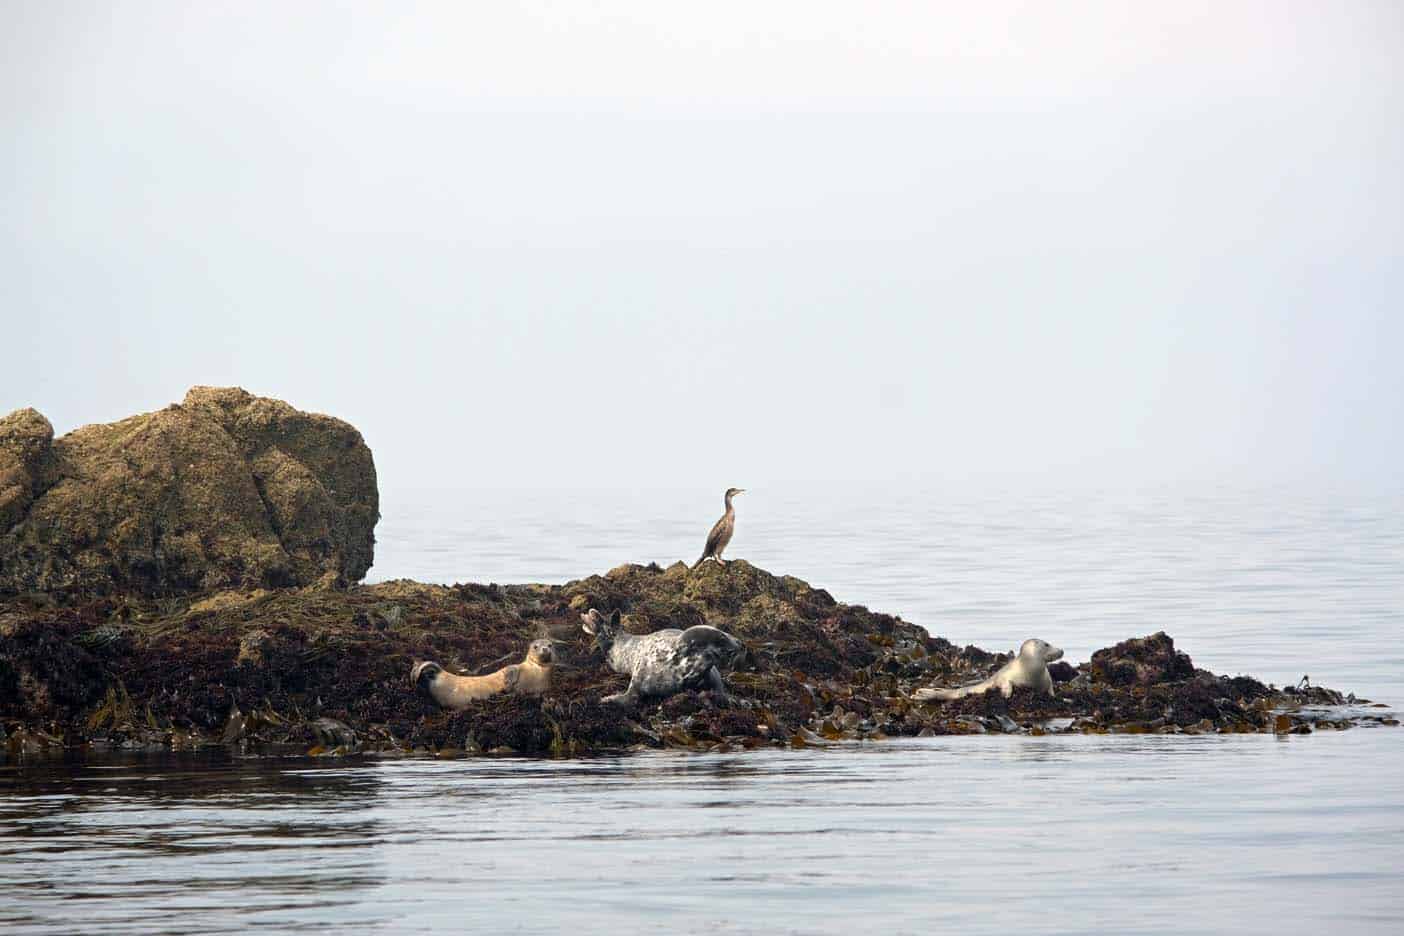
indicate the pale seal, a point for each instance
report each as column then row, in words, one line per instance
column 664, row 662
column 1029, row 668
column 532, row 676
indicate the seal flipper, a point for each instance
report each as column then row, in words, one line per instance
column 629, row 698
column 927, row 695
column 714, row 681
column 719, row 691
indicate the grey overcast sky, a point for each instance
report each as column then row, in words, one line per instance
column 563, row 244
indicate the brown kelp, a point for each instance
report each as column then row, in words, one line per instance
column 326, row 670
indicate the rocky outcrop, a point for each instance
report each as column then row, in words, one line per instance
column 223, row 490
column 26, row 463
column 328, row 670
column 1141, row 661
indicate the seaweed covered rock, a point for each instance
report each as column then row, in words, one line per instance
column 223, row 490
column 1141, row 661
column 276, row 666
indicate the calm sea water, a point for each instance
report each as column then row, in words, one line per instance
column 1127, row 834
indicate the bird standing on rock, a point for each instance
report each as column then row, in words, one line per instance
column 721, row 532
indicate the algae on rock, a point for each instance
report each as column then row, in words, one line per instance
column 222, row 490
column 265, row 666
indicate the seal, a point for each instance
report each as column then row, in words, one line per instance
column 1029, row 668
column 664, row 662
column 532, row 676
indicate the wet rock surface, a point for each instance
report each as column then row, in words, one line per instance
column 327, row 671
column 222, row 490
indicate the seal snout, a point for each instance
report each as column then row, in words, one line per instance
column 1052, row 653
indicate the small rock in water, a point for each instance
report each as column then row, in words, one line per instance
column 332, row 733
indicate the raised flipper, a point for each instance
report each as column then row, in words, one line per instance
column 511, row 676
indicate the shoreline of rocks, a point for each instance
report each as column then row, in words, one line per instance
column 327, row 671
column 186, row 577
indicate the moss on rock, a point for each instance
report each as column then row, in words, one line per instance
column 223, row 490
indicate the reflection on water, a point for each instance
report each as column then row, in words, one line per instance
column 136, row 840
column 1128, row 834
column 1134, row 834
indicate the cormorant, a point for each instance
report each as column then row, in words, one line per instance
column 721, row 533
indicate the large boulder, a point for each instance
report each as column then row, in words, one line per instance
column 26, row 463
column 222, row 490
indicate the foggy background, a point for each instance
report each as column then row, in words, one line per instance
column 538, row 245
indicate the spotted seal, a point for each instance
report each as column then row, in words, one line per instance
column 532, row 676
column 664, row 662
column 1029, row 668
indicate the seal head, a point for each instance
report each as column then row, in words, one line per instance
column 542, row 652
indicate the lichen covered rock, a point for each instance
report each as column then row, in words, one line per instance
column 223, row 490
column 26, row 463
